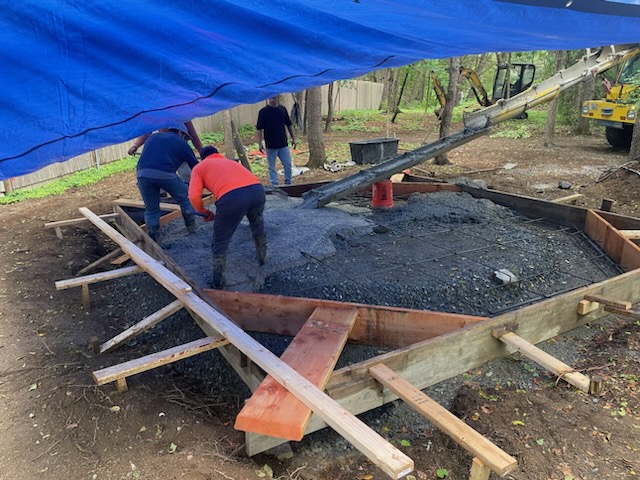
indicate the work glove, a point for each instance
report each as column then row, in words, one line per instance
column 210, row 217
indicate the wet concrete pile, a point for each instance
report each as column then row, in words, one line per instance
column 436, row 251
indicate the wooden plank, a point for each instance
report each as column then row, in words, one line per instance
column 100, row 261
column 569, row 198
column 75, row 221
column 493, row 457
column 313, row 353
column 387, row 457
column 97, row 277
column 622, row 250
column 545, row 360
column 128, row 202
column 155, row 360
column 141, row 326
column 631, row 234
column 375, row 325
column 610, row 302
column 121, row 259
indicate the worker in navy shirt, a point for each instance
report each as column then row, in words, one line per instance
column 272, row 127
column 163, row 153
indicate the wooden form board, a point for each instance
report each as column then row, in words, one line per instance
column 479, row 446
column 429, row 362
column 620, row 248
column 313, row 353
column 570, row 215
column 387, row 457
column 375, row 325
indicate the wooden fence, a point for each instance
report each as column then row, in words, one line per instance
column 350, row 95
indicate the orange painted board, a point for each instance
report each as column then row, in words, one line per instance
column 313, row 353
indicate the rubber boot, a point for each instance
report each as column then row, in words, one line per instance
column 218, row 265
column 261, row 248
column 190, row 223
column 154, row 232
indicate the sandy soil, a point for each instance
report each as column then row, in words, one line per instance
column 56, row 424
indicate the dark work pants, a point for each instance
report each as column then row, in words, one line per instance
column 231, row 209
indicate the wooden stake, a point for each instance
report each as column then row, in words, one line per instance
column 585, row 306
column 479, row 471
column 121, row 385
column 86, row 302
column 606, row 205
column 596, row 386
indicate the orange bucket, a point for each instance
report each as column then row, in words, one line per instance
column 382, row 194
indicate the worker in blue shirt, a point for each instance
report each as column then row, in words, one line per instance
column 163, row 153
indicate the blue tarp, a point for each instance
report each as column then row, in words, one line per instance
column 81, row 74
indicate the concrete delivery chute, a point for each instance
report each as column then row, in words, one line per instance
column 479, row 122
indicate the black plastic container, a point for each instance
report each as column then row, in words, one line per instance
column 376, row 150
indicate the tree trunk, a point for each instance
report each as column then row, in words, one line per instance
column 387, row 87
column 553, row 107
column 317, row 155
column 634, row 151
column 228, row 134
column 447, row 113
column 240, row 150
column 587, row 92
column 329, row 119
column 305, row 112
column 396, row 104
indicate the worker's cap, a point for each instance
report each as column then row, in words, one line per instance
column 208, row 150
column 180, row 127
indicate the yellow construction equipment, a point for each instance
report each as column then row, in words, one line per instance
column 615, row 112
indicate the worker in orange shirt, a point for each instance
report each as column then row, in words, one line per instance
column 237, row 192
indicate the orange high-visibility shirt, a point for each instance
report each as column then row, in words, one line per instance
column 219, row 175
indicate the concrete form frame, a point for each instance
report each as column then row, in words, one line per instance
column 402, row 373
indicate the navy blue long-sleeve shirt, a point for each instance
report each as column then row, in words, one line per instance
column 162, row 155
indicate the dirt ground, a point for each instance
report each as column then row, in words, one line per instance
column 56, row 424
